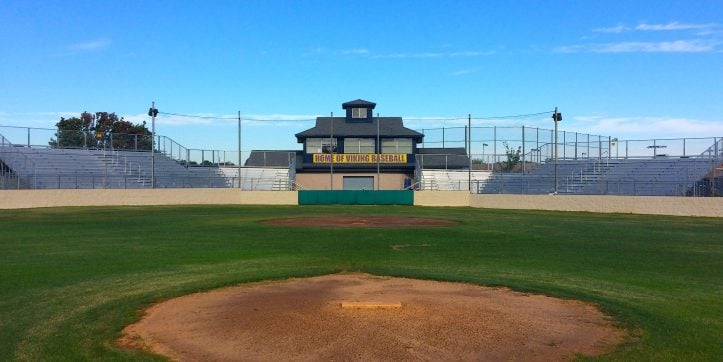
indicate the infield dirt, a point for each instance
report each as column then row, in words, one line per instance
column 302, row 319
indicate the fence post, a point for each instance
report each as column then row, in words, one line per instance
column 494, row 145
column 626, row 150
column 683, row 147
column 588, row 145
column 717, row 152
column 523, row 150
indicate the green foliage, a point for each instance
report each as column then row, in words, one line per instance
column 71, row 278
column 513, row 158
column 101, row 130
column 69, row 134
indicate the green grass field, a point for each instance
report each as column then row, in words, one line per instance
column 72, row 278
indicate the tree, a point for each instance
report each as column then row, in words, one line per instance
column 101, row 130
column 513, row 157
column 69, row 134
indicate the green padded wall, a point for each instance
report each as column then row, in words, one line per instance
column 356, row 197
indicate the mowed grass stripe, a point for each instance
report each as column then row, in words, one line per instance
column 71, row 278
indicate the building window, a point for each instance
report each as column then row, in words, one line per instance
column 358, row 145
column 320, row 145
column 397, row 145
column 358, row 113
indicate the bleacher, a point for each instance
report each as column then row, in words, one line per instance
column 660, row 176
column 168, row 172
column 42, row 168
column 59, row 168
column 259, row 178
column 451, row 180
column 536, row 180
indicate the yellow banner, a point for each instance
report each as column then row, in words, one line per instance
column 360, row 158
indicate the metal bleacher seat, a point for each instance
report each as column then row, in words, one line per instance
column 82, row 168
column 258, row 178
column 660, row 176
column 452, row 180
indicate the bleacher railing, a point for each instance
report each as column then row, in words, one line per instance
column 490, row 145
column 12, row 161
column 538, row 186
column 81, row 181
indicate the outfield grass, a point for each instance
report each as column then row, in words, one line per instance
column 71, row 278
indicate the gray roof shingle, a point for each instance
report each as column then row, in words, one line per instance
column 274, row 158
column 388, row 127
column 443, row 158
column 442, row 151
column 360, row 103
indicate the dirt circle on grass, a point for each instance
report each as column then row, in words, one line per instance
column 303, row 319
column 360, row 221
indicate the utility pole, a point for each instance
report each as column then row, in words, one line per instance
column 469, row 152
column 556, row 117
column 331, row 152
column 378, row 156
column 153, row 112
column 240, row 186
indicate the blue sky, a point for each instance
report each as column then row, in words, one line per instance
column 628, row 69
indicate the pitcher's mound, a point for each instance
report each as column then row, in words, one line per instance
column 302, row 319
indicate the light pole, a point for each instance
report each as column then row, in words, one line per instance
column 153, row 112
column 483, row 155
column 556, row 117
column 331, row 152
column 469, row 152
column 239, row 151
column 379, row 175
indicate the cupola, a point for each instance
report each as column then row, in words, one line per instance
column 358, row 111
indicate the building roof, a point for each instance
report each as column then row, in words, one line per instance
column 442, row 151
column 443, row 158
column 275, row 158
column 359, row 103
column 388, row 127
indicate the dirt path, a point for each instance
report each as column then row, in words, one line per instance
column 302, row 319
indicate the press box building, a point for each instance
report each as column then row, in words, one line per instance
column 354, row 146
column 357, row 152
